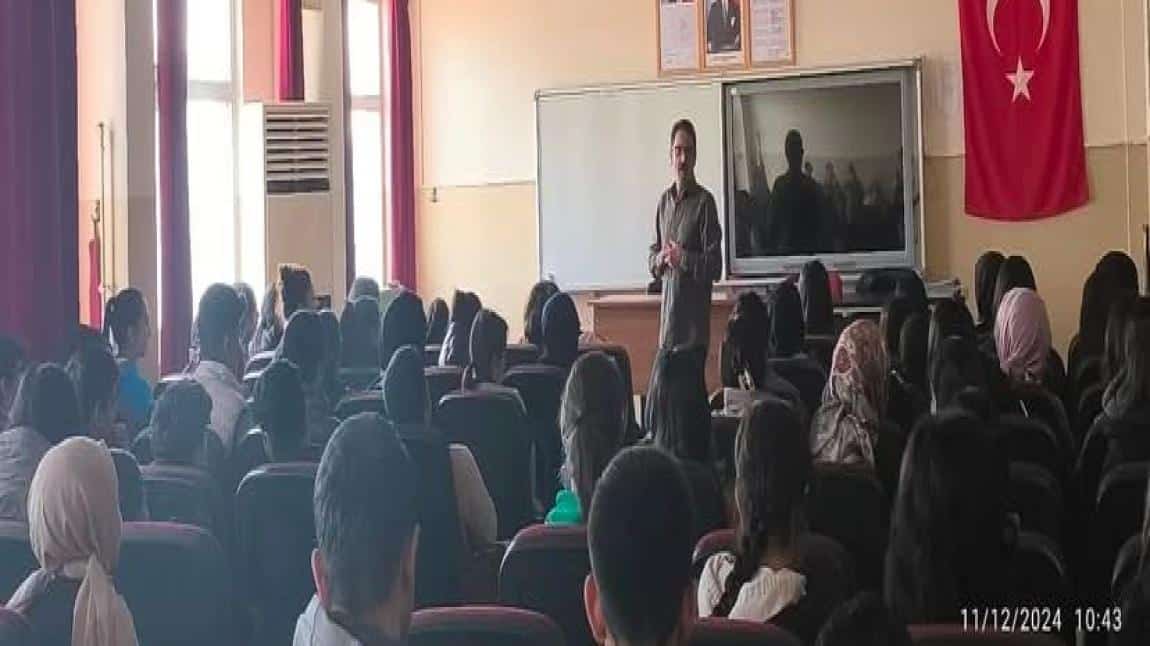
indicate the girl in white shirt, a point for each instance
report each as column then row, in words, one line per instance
column 762, row 579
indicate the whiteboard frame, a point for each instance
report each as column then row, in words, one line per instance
column 710, row 78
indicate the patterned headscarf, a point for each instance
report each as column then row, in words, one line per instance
column 1022, row 335
column 845, row 428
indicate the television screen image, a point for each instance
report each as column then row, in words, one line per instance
column 822, row 167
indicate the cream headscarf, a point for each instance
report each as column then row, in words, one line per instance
column 74, row 525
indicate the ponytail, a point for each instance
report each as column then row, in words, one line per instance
column 121, row 312
column 748, row 556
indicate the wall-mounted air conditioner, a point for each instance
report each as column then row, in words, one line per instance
column 291, row 192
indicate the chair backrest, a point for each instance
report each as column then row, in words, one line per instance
column 1089, row 406
column 249, row 381
column 957, row 635
column 1036, row 496
column 259, row 361
column 544, row 570
column 494, row 427
column 175, row 581
column 431, row 354
column 1091, row 460
column 364, row 401
column 1031, row 440
column 1046, row 405
column 440, row 381
column 182, row 494
column 520, row 353
column 356, row 379
column 276, row 534
column 165, row 381
column 720, row 540
column 251, row 452
column 807, row 376
column 848, row 504
column 130, row 486
column 14, row 629
column 483, row 626
column 1117, row 514
column 1040, row 570
column 16, row 558
column 821, row 348
column 541, row 388
column 727, row 632
column 1126, row 566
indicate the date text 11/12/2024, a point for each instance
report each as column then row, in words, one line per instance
column 1041, row 620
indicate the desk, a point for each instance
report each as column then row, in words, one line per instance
column 632, row 321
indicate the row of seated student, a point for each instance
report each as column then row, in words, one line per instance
column 952, row 458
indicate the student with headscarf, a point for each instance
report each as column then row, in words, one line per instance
column 985, row 277
column 746, row 374
column 846, row 429
column 404, row 323
column 818, row 306
column 561, row 331
column 44, row 413
column 438, row 317
column 541, row 292
column 465, row 307
column 409, row 411
column 74, row 525
column 488, row 352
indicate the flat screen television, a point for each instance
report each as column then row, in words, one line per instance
column 825, row 165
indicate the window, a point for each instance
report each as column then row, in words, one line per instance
column 212, row 118
column 364, row 54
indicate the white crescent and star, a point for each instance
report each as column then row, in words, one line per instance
column 1020, row 78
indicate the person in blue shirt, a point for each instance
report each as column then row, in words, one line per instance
column 129, row 331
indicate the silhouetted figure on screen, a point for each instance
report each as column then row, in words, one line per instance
column 835, row 208
column 794, row 205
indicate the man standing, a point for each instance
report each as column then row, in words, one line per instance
column 687, row 253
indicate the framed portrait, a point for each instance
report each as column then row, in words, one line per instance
column 678, row 29
column 771, row 32
column 724, row 34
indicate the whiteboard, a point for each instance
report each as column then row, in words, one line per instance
column 604, row 161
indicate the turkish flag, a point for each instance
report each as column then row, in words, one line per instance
column 1022, row 95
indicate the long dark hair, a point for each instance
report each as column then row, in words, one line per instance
column 1097, row 294
column 592, row 421
column 46, row 402
column 359, row 331
column 947, row 547
column 913, row 342
column 1131, row 389
column 985, row 277
column 1015, row 272
column 303, row 345
column 488, row 344
column 748, row 332
column 295, row 289
column 1120, row 269
column 437, row 318
column 677, row 413
column 815, row 291
column 949, row 318
column 894, row 315
column 122, row 313
column 772, row 467
column 788, row 330
column 541, row 292
column 271, row 326
column 561, row 331
column 1120, row 312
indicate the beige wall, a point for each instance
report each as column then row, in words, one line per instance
column 478, row 65
column 259, row 31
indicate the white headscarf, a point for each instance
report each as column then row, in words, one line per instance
column 74, row 525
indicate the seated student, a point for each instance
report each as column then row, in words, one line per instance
column 293, row 292
column 363, row 287
column 409, row 411
column 367, row 534
column 44, row 413
column 1116, row 321
column 592, row 422
column 678, row 418
column 763, row 578
column 332, row 351
column 846, row 428
column 179, row 430
column 559, row 346
column 488, row 352
column 863, row 621
column 950, row 538
column 1014, row 273
column 465, row 307
column 279, row 407
column 1022, row 338
column 894, row 314
column 949, row 318
column 359, row 333
column 908, row 391
column 251, row 318
column 303, row 345
column 404, row 323
column 74, row 524
column 12, row 364
column 270, row 327
column 1114, row 275
column 437, row 318
column 128, row 329
column 1126, row 404
column 95, row 376
column 541, row 292
column 815, row 292
column 639, row 534
column 788, row 330
column 985, row 276
column 746, row 375
column 957, row 369
column 219, row 369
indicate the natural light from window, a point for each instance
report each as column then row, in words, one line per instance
column 366, row 136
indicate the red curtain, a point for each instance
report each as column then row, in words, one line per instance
column 39, row 202
column 175, row 244
column 289, row 51
column 401, row 249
